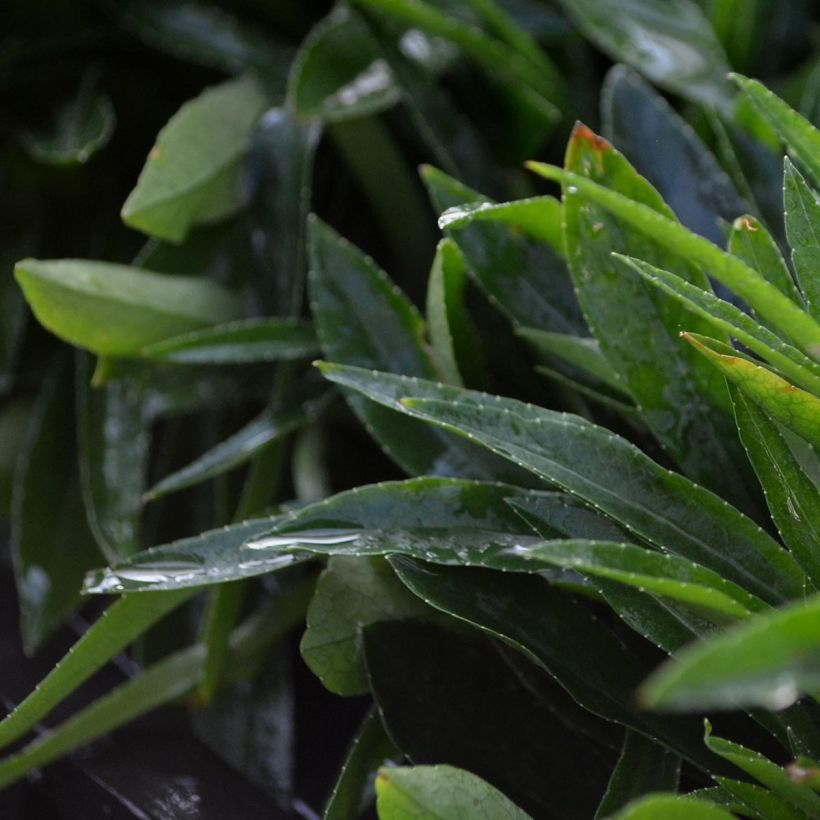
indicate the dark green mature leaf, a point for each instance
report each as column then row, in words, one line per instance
column 677, row 50
column 363, row 319
column 643, row 767
column 559, row 634
column 249, row 340
column 339, row 73
column 793, row 497
column 606, row 471
column 193, row 174
column 370, row 749
column 797, row 409
column 681, row 400
column 802, row 216
column 12, row 308
column 726, row 317
column 769, row 774
column 51, row 544
column 119, row 625
column 351, row 594
column 800, row 136
column 81, row 127
column 750, row 242
column 672, row 807
column 440, row 793
column 113, row 436
column 764, row 297
column 116, row 310
column 757, row 802
column 429, row 682
column 455, row 344
column 769, row 661
column 665, row 149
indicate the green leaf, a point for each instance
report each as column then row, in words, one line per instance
column 238, row 448
column 801, row 137
column 672, row 807
column 216, row 555
column 643, row 767
column 802, row 216
column 750, row 242
column 249, row 340
column 119, row 625
column 793, row 407
column 758, row 802
column 726, row 317
column 658, row 573
column 677, row 51
column 440, row 792
column 680, row 399
column 768, row 661
column 12, row 308
column 116, row 310
column 766, row 299
column 114, row 438
column 363, row 319
column 81, row 127
column 193, row 174
column 429, row 682
column 51, row 544
column 665, row 149
column 350, row 594
column 606, row 471
column 339, row 73
column 370, row 749
column 793, row 497
column 765, row 771
column 455, row 344
column 558, row 633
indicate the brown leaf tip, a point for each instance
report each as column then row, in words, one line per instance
column 584, row 134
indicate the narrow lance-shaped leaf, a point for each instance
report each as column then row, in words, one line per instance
column 766, row 299
column 661, row 506
column 193, row 174
column 797, row 409
column 768, row 661
column 732, row 320
column 801, row 212
column 682, row 402
column 116, row 310
column 440, row 792
column 793, row 497
column 753, row 244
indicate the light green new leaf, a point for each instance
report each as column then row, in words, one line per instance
column 249, row 340
column 193, row 174
column 339, row 73
column 800, row 136
column 116, row 310
column 750, row 242
column 768, row 660
column 766, row 772
column 766, row 299
column 643, row 767
column 793, row 497
column 732, row 320
column 655, row 572
column 793, row 407
column 677, row 50
column 350, row 594
column 672, row 807
column 801, row 212
column 603, row 469
column 440, row 793
column 455, row 344
column 119, row 625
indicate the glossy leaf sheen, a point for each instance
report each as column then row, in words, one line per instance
column 661, row 506
column 117, row 310
column 802, row 217
column 193, row 173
